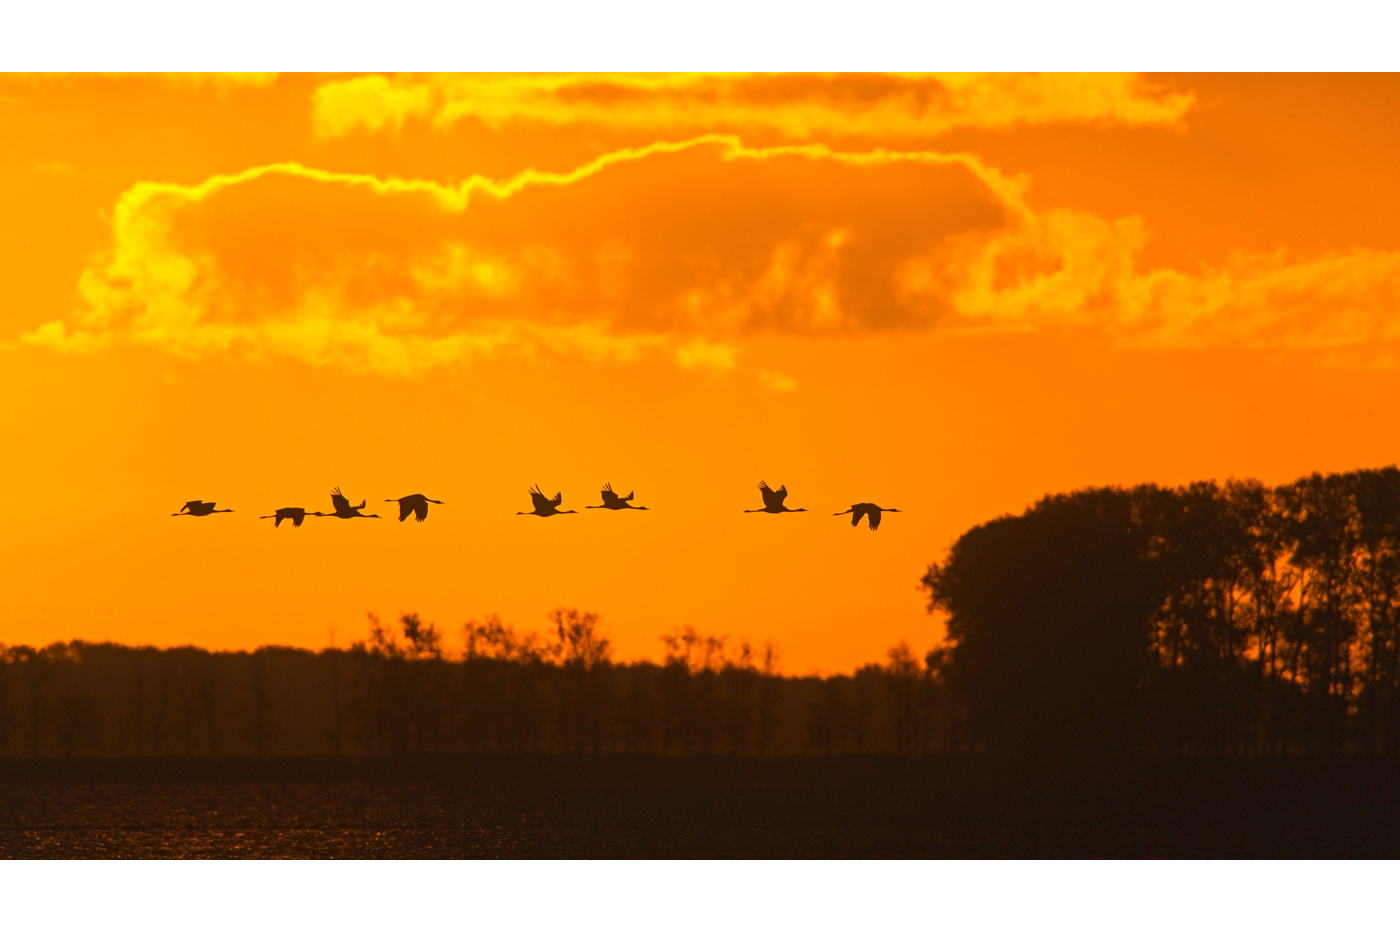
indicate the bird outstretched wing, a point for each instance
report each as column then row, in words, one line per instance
column 874, row 513
column 558, row 499
column 856, row 512
column 771, row 498
column 405, row 508
column 420, row 508
column 539, row 499
column 610, row 497
column 338, row 501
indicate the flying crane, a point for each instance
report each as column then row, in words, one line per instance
column 544, row 506
column 415, row 505
column 295, row 515
column 343, row 508
column 612, row 500
column 198, row 507
column 773, row 500
column 862, row 509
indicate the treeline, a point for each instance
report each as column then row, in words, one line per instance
column 1225, row 619
column 1212, row 618
column 400, row 690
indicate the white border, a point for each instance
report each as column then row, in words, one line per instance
column 700, row 896
column 726, row 35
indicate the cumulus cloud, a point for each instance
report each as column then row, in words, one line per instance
column 799, row 106
column 677, row 249
column 370, row 103
column 1071, row 270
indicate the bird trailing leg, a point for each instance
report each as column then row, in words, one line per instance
column 869, row 509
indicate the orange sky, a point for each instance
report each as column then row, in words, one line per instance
column 946, row 294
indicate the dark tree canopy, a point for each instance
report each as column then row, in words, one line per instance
column 1051, row 613
column 1209, row 617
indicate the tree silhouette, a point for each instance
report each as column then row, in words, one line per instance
column 584, row 653
column 1377, row 496
column 1226, row 618
column 768, row 697
column 1272, row 617
column 904, row 675
column 209, row 691
column 1051, row 614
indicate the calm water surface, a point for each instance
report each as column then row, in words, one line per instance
column 600, row 807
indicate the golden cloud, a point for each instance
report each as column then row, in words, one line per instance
column 676, row 247
column 1072, row 270
column 684, row 249
column 799, row 106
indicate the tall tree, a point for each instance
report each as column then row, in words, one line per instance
column 1051, row 613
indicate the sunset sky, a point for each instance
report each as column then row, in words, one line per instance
column 947, row 294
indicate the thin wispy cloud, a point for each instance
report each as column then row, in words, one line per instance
column 800, row 106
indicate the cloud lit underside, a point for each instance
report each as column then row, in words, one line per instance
column 1070, row 270
column 684, row 249
column 799, row 106
column 680, row 248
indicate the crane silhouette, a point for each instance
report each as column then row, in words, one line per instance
column 865, row 508
column 296, row 516
column 773, row 500
column 415, row 505
column 343, row 508
column 545, row 507
column 198, row 507
column 612, row 500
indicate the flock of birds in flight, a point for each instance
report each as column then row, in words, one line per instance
column 774, row 502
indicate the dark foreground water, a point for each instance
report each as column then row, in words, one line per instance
column 621, row 806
